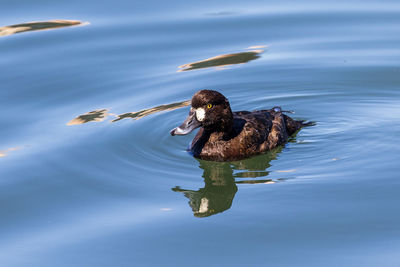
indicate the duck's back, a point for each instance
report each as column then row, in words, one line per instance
column 253, row 133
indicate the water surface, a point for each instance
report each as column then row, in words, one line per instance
column 89, row 175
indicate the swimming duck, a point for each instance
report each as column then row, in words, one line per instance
column 229, row 136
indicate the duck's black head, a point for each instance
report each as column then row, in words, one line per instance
column 210, row 110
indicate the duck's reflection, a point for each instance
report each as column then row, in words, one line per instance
column 218, row 192
column 221, row 179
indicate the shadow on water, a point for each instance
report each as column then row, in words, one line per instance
column 223, row 60
column 38, row 26
column 220, row 179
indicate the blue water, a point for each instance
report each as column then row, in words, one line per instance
column 111, row 192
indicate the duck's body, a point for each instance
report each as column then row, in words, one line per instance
column 227, row 135
column 252, row 133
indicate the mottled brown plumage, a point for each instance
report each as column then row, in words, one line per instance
column 227, row 135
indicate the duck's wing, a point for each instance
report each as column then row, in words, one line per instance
column 292, row 125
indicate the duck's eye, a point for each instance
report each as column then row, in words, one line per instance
column 209, row 106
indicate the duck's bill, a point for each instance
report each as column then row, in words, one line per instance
column 187, row 126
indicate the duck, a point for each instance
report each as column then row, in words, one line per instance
column 230, row 136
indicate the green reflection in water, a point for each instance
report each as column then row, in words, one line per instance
column 38, row 26
column 223, row 60
column 220, row 184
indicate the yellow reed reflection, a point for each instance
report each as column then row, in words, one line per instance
column 142, row 113
column 223, row 60
column 101, row 114
column 96, row 115
column 38, row 26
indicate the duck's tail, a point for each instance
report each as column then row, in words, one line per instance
column 292, row 126
column 300, row 123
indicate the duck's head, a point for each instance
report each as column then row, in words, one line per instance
column 210, row 110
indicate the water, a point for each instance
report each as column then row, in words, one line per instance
column 113, row 188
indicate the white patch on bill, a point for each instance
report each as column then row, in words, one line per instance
column 200, row 114
column 203, row 205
